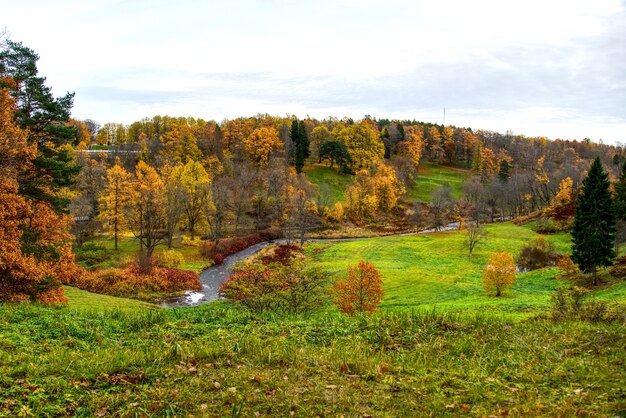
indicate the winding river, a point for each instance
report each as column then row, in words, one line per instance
column 213, row 277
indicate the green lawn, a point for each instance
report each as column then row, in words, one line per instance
column 88, row 301
column 431, row 176
column 336, row 181
column 434, row 270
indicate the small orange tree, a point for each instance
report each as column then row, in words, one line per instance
column 361, row 290
column 499, row 275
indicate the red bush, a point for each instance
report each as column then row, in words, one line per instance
column 130, row 281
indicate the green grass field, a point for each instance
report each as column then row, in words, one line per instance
column 431, row 176
column 84, row 300
column 439, row 347
column 435, row 270
column 337, row 182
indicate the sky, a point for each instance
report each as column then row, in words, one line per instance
column 554, row 68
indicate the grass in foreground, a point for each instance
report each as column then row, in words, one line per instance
column 435, row 270
column 218, row 361
column 430, row 176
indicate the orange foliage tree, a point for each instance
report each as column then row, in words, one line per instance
column 260, row 144
column 361, row 291
column 499, row 275
column 35, row 255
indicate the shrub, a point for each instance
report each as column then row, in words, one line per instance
column 282, row 254
column 538, row 253
column 572, row 304
column 171, row 258
column 499, row 275
column 361, row 291
column 277, row 288
column 568, row 268
column 131, row 281
column 90, row 254
column 619, row 268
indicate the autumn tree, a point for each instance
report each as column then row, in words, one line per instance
column 319, row 135
column 412, row 146
column 116, row 195
column 35, row 255
column 363, row 142
column 145, row 212
column 499, row 275
column 593, row 233
column 260, row 144
column 174, row 194
column 196, row 193
column 361, row 291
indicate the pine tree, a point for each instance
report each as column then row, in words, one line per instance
column 504, row 174
column 620, row 195
column 297, row 139
column 593, row 233
column 47, row 120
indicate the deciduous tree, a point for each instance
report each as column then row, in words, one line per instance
column 361, row 291
column 116, row 196
column 499, row 275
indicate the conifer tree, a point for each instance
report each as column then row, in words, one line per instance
column 620, row 195
column 593, row 233
column 47, row 120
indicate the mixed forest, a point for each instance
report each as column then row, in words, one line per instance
column 510, row 299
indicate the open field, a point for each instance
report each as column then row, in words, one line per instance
column 431, row 176
column 435, row 270
column 439, row 346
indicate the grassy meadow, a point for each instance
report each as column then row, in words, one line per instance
column 336, row 181
column 431, row 176
column 435, row 270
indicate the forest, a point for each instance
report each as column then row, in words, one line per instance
column 520, row 240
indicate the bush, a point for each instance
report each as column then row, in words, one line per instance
column 282, row 254
column 538, row 253
column 171, row 258
column 90, row 254
column 552, row 226
column 277, row 288
column 619, row 268
column 572, row 304
column 130, row 281
column 567, row 267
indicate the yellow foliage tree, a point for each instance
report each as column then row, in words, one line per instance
column 413, row 145
column 260, row 143
column 115, row 197
column 499, row 275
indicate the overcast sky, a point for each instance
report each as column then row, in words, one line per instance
column 536, row 67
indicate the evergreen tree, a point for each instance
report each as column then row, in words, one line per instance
column 504, row 170
column 301, row 143
column 620, row 195
column 47, row 120
column 593, row 233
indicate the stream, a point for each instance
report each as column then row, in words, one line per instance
column 213, row 277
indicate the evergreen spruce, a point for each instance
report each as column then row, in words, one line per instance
column 46, row 119
column 301, row 144
column 620, row 195
column 593, row 233
column 504, row 174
